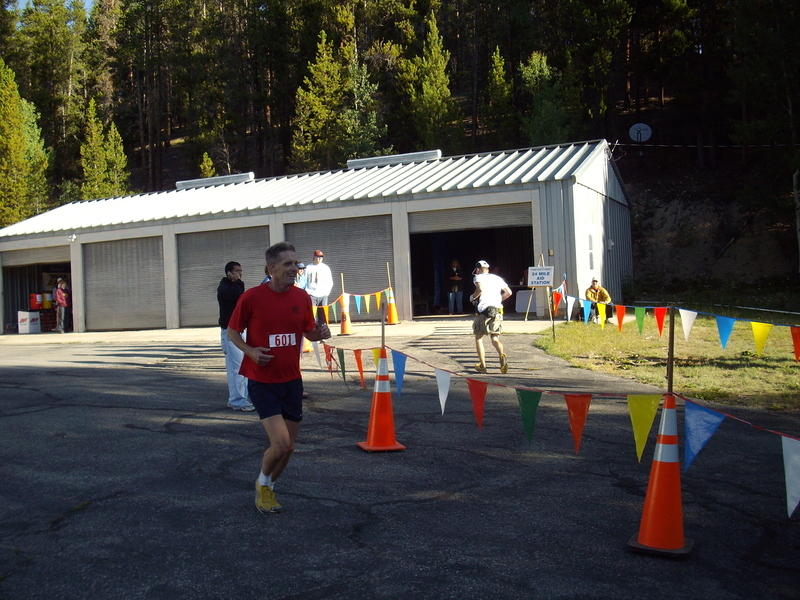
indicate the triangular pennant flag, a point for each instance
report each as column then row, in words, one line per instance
column 620, row 310
column 366, row 302
column 377, row 300
column 796, row 341
column 358, row 303
column 570, row 306
column 642, row 409
column 340, row 354
column 315, row 345
column 760, row 333
column 687, row 321
column 333, row 310
column 724, row 328
column 577, row 408
column 443, row 381
column 640, row 312
column 399, row 362
column 700, row 423
column 601, row 314
column 528, row 405
column 325, row 312
column 360, row 367
column 477, row 392
column 557, row 297
column 587, row 309
column 660, row 312
column 328, row 358
column 791, row 472
column 376, row 356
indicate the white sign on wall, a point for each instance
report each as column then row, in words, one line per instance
column 540, row 276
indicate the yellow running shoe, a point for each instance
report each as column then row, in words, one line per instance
column 480, row 368
column 266, row 502
column 503, row 364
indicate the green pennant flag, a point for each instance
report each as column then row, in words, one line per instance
column 640, row 312
column 528, row 405
column 333, row 310
column 340, row 353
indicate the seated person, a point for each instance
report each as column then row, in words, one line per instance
column 597, row 293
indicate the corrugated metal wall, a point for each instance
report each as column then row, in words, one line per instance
column 477, row 217
column 124, row 284
column 33, row 256
column 359, row 248
column 201, row 264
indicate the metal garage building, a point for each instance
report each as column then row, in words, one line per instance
column 154, row 260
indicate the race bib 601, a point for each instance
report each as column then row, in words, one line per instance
column 280, row 340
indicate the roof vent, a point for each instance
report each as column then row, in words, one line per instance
column 394, row 159
column 209, row 181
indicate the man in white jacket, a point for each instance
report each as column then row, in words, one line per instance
column 319, row 281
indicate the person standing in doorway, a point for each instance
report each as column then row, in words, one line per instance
column 455, row 297
column 490, row 293
column 276, row 316
column 319, row 280
column 230, row 288
column 62, row 302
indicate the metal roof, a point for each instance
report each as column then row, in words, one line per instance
column 381, row 183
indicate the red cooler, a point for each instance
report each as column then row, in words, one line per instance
column 35, row 302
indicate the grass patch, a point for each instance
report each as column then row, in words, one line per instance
column 702, row 369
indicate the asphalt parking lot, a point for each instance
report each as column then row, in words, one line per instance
column 125, row 476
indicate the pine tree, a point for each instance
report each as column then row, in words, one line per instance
column 207, row 166
column 13, row 165
column 548, row 118
column 433, row 110
column 498, row 101
column 102, row 160
column 36, row 159
column 317, row 127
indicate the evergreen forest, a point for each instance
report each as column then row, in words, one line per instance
column 132, row 95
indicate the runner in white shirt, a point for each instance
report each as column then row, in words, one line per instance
column 319, row 281
column 490, row 293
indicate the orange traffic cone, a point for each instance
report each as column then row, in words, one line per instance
column 391, row 308
column 380, row 434
column 345, row 320
column 661, row 528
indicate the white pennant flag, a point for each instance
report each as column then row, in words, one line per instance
column 316, row 353
column 570, row 305
column 687, row 321
column 791, row 470
column 443, row 381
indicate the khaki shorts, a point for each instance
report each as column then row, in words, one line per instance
column 483, row 325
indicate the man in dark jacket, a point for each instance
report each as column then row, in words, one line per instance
column 228, row 291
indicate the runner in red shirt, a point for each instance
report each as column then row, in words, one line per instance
column 276, row 315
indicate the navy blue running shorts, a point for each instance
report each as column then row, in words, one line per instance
column 272, row 399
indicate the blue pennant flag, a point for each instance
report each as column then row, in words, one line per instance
column 700, row 424
column 587, row 307
column 399, row 362
column 358, row 303
column 724, row 327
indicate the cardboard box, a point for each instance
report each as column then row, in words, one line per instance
column 28, row 322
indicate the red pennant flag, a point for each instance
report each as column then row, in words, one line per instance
column 328, row 359
column 556, row 301
column 360, row 366
column 620, row 315
column 796, row 340
column 578, row 408
column 477, row 391
column 660, row 312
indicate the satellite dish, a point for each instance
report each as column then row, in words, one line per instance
column 640, row 132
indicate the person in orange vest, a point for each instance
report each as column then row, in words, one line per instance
column 597, row 293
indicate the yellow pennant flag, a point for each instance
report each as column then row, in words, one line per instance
column 366, row 302
column 642, row 409
column 378, row 300
column 601, row 313
column 376, row 356
column 760, row 333
column 325, row 312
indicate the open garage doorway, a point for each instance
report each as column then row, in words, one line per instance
column 509, row 251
